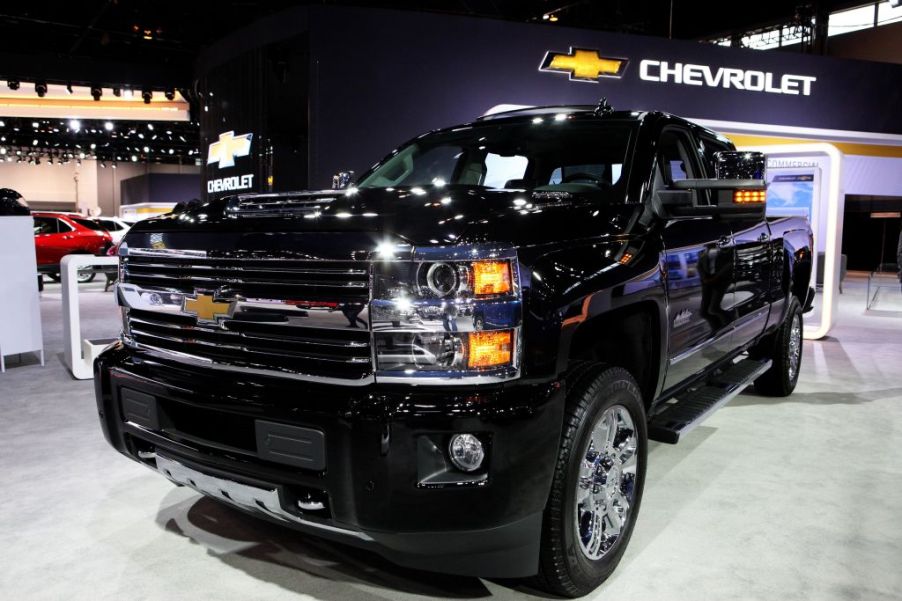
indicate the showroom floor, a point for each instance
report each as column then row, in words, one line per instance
column 795, row 498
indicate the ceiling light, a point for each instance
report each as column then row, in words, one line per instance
column 96, row 92
column 150, row 126
column 40, row 89
column 553, row 18
column 169, row 93
column 108, row 126
column 13, row 84
column 146, row 94
column 74, row 124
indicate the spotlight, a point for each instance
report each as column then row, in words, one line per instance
column 69, row 87
column 13, row 84
column 146, row 94
column 74, row 124
column 103, row 164
column 117, row 92
column 108, row 126
column 40, row 89
column 96, row 92
column 113, row 165
column 169, row 93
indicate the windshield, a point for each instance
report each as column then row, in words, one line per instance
column 545, row 153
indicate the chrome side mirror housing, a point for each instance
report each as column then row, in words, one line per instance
column 342, row 180
column 735, row 164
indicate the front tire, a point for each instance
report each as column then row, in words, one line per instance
column 598, row 482
column 784, row 348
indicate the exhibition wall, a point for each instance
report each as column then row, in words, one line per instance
column 349, row 84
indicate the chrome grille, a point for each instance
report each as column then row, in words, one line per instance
column 299, row 318
column 252, row 278
column 277, row 205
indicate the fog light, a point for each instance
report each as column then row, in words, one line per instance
column 466, row 452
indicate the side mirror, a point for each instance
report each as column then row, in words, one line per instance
column 738, row 191
column 342, row 180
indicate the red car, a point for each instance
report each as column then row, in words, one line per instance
column 59, row 234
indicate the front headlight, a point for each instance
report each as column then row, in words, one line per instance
column 447, row 314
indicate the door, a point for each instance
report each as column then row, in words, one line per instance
column 752, row 280
column 698, row 255
column 53, row 239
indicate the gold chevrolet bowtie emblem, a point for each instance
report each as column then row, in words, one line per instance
column 228, row 147
column 206, row 309
column 584, row 65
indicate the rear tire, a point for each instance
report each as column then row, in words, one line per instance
column 784, row 348
column 598, row 481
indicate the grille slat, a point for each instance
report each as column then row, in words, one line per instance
column 282, row 279
column 263, row 335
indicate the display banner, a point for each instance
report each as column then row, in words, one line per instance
column 378, row 78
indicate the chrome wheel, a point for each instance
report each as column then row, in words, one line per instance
column 605, row 489
column 795, row 346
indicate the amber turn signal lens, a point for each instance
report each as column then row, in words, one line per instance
column 491, row 348
column 491, row 277
column 749, row 196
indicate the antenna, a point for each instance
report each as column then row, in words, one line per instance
column 603, row 107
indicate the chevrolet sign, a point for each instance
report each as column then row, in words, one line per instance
column 725, row 77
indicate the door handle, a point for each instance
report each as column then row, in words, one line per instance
column 724, row 241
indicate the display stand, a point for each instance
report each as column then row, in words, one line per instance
column 79, row 354
column 826, row 222
column 20, row 308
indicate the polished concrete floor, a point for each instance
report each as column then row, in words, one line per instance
column 797, row 498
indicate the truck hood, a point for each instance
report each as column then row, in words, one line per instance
column 451, row 215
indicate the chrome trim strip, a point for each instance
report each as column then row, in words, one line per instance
column 312, row 341
column 246, row 349
column 240, row 269
column 239, row 369
column 224, row 281
column 243, row 496
column 179, row 253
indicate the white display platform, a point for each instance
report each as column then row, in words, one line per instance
column 20, row 308
column 79, row 354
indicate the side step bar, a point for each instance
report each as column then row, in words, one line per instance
column 680, row 415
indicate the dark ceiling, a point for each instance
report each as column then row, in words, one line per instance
column 168, row 34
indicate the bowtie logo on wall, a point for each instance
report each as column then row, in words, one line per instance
column 228, row 148
column 583, row 65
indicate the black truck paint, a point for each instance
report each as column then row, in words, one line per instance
column 600, row 281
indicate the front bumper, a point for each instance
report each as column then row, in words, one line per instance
column 378, row 488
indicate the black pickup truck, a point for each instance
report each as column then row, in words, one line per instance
column 459, row 360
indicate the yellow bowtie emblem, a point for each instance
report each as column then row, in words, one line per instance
column 206, row 309
column 228, row 147
column 584, row 65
